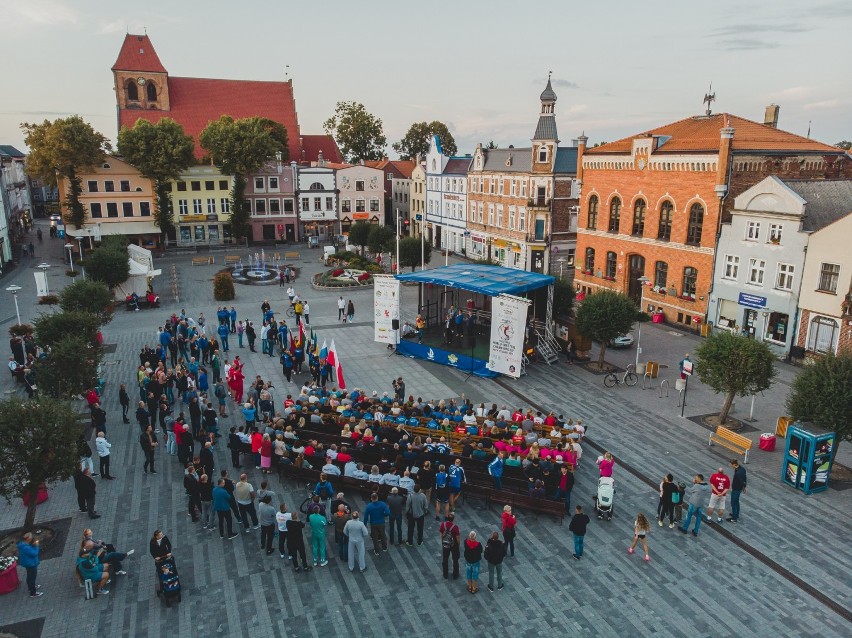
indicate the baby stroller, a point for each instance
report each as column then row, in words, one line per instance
column 604, row 498
column 168, row 581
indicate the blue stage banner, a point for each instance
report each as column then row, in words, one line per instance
column 445, row 357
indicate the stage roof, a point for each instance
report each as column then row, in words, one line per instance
column 486, row 280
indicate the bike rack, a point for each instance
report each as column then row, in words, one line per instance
column 665, row 384
column 646, row 379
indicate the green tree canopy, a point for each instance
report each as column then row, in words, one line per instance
column 109, row 264
column 563, row 298
column 604, row 316
column 359, row 234
column 409, row 252
column 419, row 136
column 846, row 145
column 734, row 365
column 357, row 132
column 87, row 295
column 66, row 147
column 71, row 368
column 38, row 445
column 381, row 238
column 161, row 152
column 241, row 147
column 822, row 395
column 53, row 328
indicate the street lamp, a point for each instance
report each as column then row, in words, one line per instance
column 642, row 281
column 561, row 261
column 70, row 248
column 44, row 266
column 14, row 290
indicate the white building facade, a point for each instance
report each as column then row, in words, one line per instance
column 316, row 194
column 446, row 199
column 362, row 196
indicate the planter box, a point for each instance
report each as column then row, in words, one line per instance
column 9, row 579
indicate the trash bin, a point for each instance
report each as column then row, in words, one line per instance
column 767, row 442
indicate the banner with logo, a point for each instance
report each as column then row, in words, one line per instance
column 508, row 321
column 385, row 307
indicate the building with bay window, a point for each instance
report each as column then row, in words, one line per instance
column 446, row 198
column 271, row 198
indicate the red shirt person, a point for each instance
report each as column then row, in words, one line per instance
column 720, row 485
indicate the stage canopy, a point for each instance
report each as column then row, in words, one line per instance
column 482, row 279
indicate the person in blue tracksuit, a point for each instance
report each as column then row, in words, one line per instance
column 28, row 558
column 495, row 469
column 223, row 335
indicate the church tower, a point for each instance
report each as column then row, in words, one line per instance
column 545, row 138
column 141, row 80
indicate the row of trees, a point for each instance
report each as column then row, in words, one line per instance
column 379, row 239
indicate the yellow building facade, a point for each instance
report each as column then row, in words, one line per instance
column 201, row 201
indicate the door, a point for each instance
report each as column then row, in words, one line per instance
column 291, row 233
column 269, row 232
column 539, row 230
column 749, row 322
column 636, row 268
column 537, row 261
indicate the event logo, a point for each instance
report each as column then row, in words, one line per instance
column 506, row 331
column 430, row 354
column 453, row 359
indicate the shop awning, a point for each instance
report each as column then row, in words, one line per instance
column 114, row 228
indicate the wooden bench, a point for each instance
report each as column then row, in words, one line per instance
column 731, row 440
column 230, row 260
column 292, row 255
column 202, row 261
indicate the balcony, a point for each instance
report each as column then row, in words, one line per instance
column 539, row 202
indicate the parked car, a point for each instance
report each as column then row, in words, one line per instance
column 622, row 341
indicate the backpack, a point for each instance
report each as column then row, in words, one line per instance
column 447, row 539
column 676, row 497
column 325, row 492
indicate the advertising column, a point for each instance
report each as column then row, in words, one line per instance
column 385, row 308
column 508, row 320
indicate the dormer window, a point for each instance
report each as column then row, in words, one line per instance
column 542, row 154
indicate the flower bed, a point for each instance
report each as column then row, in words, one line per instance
column 343, row 278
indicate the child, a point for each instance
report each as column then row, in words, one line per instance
column 640, row 530
column 605, row 464
column 168, row 578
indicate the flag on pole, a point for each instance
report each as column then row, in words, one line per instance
column 323, row 353
column 302, row 334
column 334, row 362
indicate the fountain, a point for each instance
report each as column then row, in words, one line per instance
column 256, row 271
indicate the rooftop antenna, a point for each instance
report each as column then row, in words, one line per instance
column 709, row 97
column 809, row 129
column 286, row 72
column 549, row 73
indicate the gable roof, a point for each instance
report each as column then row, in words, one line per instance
column 827, row 200
column 313, row 144
column 10, row 151
column 138, row 54
column 701, row 133
column 457, row 165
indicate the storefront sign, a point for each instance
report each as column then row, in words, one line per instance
column 751, row 301
column 194, row 218
column 385, row 307
column 359, row 216
column 508, row 321
column 315, row 215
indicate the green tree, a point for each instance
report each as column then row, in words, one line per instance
column 241, row 147
column 51, row 329
column 563, row 298
column 109, row 264
column 381, row 239
column 161, row 152
column 357, row 132
column 490, row 146
column 846, row 145
column 71, row 367
column 359, row 235
column 223, row 287
column 409, row 252
column 419, row 136
column 38, row 446
column 604, row 316
column 64, row 147
column 87, row 295
column 822, row 395
column 734, row 365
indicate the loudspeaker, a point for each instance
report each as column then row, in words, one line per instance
column 395, row 324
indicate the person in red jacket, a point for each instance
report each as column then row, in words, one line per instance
column 509, row 521
column 256, row 443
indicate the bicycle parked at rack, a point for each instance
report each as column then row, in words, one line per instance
column 629, row 378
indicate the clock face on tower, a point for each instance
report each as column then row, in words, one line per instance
column 140, row 81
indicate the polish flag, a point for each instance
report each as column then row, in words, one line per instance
column 334, row 362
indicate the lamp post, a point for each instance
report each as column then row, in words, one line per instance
column 14, row 290
column 561, row 261
column 642, row 281
column 397, row 241
column 70, row 248
column 80, row 248
column 43, row 266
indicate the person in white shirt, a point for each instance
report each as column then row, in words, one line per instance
column 264, row 333
column 103, row 447
column 291, row 294
column 332, row 452
column 379, row 416
column 504, row 414
column 341, row 309
column 374, row 476
column 306, row 312
column 350, row 468
column 360, row 474
column 330, row 468
column 281, row 519
column 469, row 419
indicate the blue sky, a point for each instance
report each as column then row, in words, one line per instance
column 619, row 67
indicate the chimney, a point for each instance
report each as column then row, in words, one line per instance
column 725, row 142
column 581, row 150
column 770, row 117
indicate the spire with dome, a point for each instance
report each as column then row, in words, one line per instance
column 546, row 128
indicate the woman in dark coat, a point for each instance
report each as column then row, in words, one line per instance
column 160, row 547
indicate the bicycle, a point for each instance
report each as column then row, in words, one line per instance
column 303, row 508
column 629, row 378
column 291, row 311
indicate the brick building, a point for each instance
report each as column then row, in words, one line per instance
column 652, row 204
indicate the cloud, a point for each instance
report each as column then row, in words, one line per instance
column 747, row 29
column 841, row 9
column 565, row 84
column 43, row 12
column 748, row 44
column 823, row 104
column 795, row 92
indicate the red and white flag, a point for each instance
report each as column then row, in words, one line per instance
column 334, row 362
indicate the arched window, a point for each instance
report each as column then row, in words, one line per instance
column 665, row 231
column 151, row 91
column 690, row 279
column 639, row 218
column 611, row 262
column 542, row 154
column 696, row 224
column 822, row 336
column 593, row 213
column 589, row 265
column 317, row 186
column 614, row 215
column 132, row 90
column 661, row 275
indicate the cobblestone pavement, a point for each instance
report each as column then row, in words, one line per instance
column 723, row 583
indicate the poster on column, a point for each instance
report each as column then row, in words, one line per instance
column 508, row 320
column 385, row 307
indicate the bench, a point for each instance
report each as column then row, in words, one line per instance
column 524, row 501
column 230, row 260
column 292, row 255
column 202, row 261
column 731, row 440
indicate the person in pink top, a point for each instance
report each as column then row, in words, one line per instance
column 605, row 464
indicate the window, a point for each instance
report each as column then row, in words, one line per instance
column 223, row 184
column 260, row 206
column 169, row 186
column 127, row 209
column 211, row 206
column 112, row 209
column 317, row 203
column 500, row 215
column 124, row 185
column 756, row 267
column 639, row 218
column 374, row 205
column 209, row 185
column 829, row 274
column 359, row 184
column 774, row 234
column 490, row 214
column 329, row 203
column 752, row 231
column 542, row 154
column 360, row 206
column 690, row 279
column 288, row 205
column 273, row 183
column 109, row 186
column 593, row 213
column 95, row 209
column 589, row 264
column 665, row 231
column 248, row 205
column 92, row 185
column 696, row 224
column 196, row 207
column 611, row 262
column 306, row 203
column 822, row 337
column 389, row 176
column 196, row 186
column 182, row 207
column 776, row 327
column 225, row 205
column 511, row 218
column 132, row 90
column 259, row 184
column 614, row 214
column 522, row 219
column 181, row 186
column 512, row 188
column 151, row 90
column 145, row 209
column 784, row 281
column 661, row 275
column 732, row 267
column 479, row 212
column 346, row 206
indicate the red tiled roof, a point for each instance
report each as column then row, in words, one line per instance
column 400, row 168
column 138, row 54
column 195, row 102
column 313, row 144
column 702, row 133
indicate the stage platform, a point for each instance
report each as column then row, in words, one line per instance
column 457, row 355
